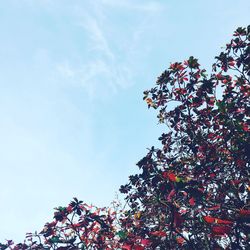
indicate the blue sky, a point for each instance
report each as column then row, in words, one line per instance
column 73, row 122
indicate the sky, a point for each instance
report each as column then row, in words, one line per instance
column 72, row 76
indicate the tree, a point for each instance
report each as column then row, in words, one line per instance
column 76, row 226
column 193, row 193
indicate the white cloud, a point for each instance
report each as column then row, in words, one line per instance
column 97, row 77
column 97, row 36
column 101, row 72
column 109, row 63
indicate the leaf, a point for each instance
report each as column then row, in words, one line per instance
column 245, row 212
column 138, row 247
column 214, row 207
column 172, row 177
column 159, row 233
column 54, row 239
column 122, row 234
column 192, row 201
column 178, row 179
column 178, row 220
column 221, row 230
column 171, row 195
column 145, row 242
column 180, row 240
column 137, row 215
column 126, row 246
column 210, row 220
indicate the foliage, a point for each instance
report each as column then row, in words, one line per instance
column 77, row 226
column 193, row 192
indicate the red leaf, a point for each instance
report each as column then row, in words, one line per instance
column 246, row 127
column 210, row 220
column 221, row 230
column 235, row 182
column 178, row 220
column 149, row 101
column 192, row 201
column 171, row 176
column 214, row 208
column 244, row 212
column 212, row 175
column 138, row 247
column 180, row 240
column 145, row 242
column 159, row 233
column 165, row 175
column 227, row 222
column 127, row 247
column 171, row 194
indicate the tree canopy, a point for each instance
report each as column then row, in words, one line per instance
column 193, row 192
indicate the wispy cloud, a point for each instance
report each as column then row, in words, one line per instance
column 95, row 32
column 110, row 64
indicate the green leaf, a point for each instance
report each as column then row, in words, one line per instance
column 55, row 239
column 122, row 234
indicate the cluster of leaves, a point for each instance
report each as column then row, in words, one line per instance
column 193, row 192
column 77, row 226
